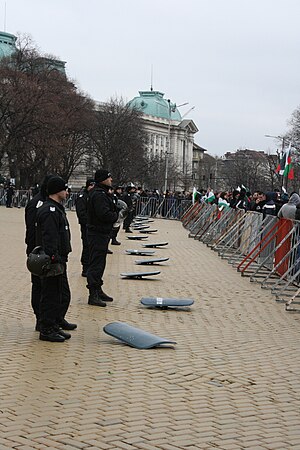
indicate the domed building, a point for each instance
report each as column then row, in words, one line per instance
column 171, row 136
column 7, row 44
column 8, row 48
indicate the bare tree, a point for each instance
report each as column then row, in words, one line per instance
column 44, row 121
column 119, row 141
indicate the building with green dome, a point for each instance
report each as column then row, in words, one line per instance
column 171, row 136
column 7, row 44
column 8, row 48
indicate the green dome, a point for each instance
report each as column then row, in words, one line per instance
column 7, row 44
column 152, row 103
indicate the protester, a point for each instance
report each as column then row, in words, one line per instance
column 53, row 234
column 288, row 210
column 101, row 217
column 223, row 200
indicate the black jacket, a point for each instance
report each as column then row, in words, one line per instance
column 30, row 219
column 127, row 198
column 102, row 212
column 53, row 231
column 81, row 206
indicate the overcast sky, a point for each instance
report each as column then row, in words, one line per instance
column 236, row 61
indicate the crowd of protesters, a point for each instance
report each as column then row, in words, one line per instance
column 277, row 203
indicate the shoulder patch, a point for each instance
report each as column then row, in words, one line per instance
column 52, row 208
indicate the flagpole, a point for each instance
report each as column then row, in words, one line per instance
column 282, row 151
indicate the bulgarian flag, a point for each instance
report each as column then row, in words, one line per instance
column 281, row 165
column 288, row 170
column 210, row 197
column 194, row 195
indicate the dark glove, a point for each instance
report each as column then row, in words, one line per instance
column 56, row 259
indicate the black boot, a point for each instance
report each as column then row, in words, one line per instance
column 62, row 333
column 109, row 252
column 104, row 297
column 65, row 325
column 94, row 298
column 115, row 242
column 51, row 335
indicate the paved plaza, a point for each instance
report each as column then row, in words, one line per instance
column 231, row 382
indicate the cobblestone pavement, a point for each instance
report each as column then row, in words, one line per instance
column 231, row 382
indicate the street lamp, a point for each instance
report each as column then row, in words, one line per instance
column 280, row 138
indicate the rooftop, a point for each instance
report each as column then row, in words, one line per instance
column 153, row 103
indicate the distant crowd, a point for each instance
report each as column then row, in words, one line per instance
column 20, row 197
column 277, row 203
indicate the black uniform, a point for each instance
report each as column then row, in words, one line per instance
column 101, row 216
column 30, row 240
column 9, row 196
column 53, row 234
column 128, row 199
column 81, row 211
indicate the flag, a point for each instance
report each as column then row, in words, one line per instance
column 288, row 170
column 209, row 197
column 281, row 165
column 194, row 195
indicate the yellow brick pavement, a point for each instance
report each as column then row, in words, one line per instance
column 231, row 382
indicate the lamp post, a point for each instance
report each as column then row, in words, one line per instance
column 280, row 138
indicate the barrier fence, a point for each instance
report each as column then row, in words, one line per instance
column 266, row 249
column 168, row 208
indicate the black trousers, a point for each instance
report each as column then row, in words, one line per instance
column 55, row 300
column 98, row 245
column 114, row 233
column 85, row 254
column 128, row 219
column 36, row 292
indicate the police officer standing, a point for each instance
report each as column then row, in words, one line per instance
column 101, row 217
column 30, row 239
column 81, row 212
column 129, row 199
column 53, row 234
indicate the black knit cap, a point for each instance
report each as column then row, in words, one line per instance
column 55, row 185
column 101, row 175
column 89, row 182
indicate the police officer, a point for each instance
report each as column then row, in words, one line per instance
column 129, row 199
column 53, row 234
column 101, row 217
column 30, row 239
column 81, row 212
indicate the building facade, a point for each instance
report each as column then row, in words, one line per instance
column 170, row 136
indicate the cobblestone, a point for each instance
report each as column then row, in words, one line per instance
column 231, row 382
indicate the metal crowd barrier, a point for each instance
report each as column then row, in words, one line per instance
column 19, row 200
column 266, row 249
column 168, row 208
